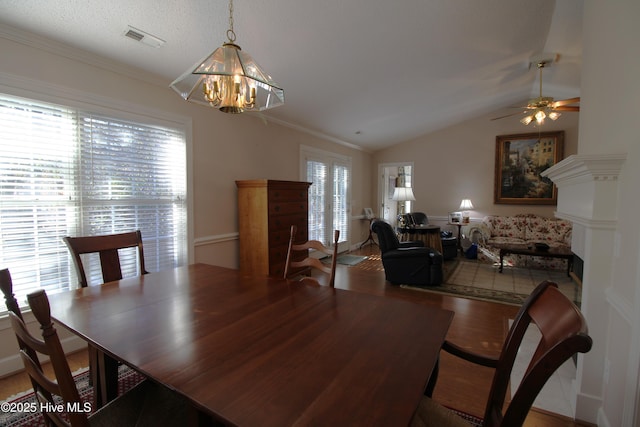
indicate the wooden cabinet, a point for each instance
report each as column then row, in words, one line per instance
column 266, row 211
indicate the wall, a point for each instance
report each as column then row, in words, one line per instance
column 613, row 34
column 224, row 148
column 459, row 162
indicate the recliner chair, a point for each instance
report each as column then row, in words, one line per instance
column 407, row 263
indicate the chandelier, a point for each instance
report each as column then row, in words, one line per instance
column 229, row 80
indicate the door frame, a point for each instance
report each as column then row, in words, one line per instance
column 383, row 190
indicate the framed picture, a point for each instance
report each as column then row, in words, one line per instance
column 455, row 217
column 368, row 213
column 519, row 161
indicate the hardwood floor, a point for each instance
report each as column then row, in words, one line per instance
column 19, row 382
column 478, row 325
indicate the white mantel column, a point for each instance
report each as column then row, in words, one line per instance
column 588, row 196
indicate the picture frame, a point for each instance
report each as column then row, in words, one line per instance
column 455, row 217
column 368, row 213
column 519, row 161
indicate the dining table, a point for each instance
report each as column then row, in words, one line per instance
column 252, row 350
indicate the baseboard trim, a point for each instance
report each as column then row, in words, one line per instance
column 13, row 364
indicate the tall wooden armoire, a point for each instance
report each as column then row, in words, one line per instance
column 266, row 211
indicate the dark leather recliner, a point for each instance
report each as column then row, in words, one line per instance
column 407, row 263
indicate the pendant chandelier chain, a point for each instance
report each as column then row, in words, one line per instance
column 231, row 35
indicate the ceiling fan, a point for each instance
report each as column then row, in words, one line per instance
column 544, row 107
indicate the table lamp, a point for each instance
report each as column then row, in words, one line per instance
column 402, row 194
column 465, row 205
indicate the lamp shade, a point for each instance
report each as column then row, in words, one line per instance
column 402, row 194
column 466, row 204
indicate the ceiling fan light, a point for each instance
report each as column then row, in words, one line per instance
column 526, row 120
column 540, row 116
column 554, row 115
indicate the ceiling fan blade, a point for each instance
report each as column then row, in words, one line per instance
column 508, row 115
column 564, row 102
column 567, row 108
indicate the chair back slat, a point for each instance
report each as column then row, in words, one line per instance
column 107, row 247
column 298, row 257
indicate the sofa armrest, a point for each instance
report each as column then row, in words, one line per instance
column 481, row 230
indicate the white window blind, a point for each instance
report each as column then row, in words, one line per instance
column 340, row 199
column 70, row 172
column 329, row 206
column 317, row 175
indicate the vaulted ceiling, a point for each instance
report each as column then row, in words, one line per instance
column 367, row 72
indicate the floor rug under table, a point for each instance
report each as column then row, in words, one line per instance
column 350, row 259
column 127, row 379
column 482, row 281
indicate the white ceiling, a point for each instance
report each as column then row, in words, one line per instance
column 367, row 72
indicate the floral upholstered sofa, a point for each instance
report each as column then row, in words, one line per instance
column 527, row 229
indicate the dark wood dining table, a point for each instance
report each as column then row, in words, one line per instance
column 258, row 351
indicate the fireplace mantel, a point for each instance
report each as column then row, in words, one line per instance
column 587, row 188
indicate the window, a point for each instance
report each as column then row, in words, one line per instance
column 328, row 195
column 65, row 171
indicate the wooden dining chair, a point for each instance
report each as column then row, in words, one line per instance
column 563, row 333
column 102, row 367
column 107, row 247
column 6, row 285
column 146, row 403
column 298, row 258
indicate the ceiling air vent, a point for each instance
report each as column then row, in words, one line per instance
column 143, row 37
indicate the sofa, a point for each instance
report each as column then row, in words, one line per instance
column 526, row 229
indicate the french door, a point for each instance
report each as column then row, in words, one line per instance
column 329, row 206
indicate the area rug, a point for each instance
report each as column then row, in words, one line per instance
column 127, row 378
column 481, row 281
column 350, row 259
column 374, row 263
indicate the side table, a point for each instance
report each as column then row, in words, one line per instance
column 459, row 225
column 370, row 238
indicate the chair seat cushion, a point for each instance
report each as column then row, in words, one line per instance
column 432, row 414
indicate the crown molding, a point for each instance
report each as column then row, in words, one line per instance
column 60, row 49
column 76, row 54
